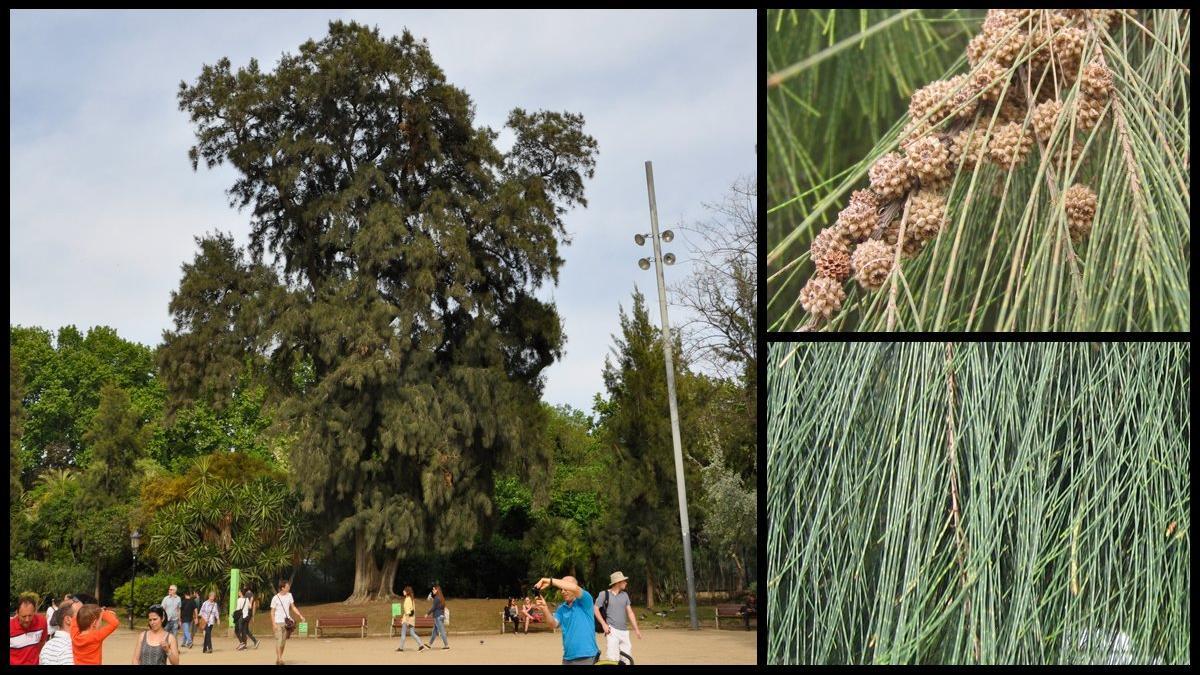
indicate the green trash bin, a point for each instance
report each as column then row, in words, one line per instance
column 302, row 628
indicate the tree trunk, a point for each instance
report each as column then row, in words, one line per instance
column 649, row 589
column 387, row 580
column 98, row 584
column 366, row 571
column 741, row 567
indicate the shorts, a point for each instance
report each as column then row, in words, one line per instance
column 172, row 626
column 280, row 630
column 585, row 661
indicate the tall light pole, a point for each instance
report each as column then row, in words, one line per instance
column 135, row 538
column 659, row 261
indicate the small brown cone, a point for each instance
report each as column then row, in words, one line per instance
column 1010, row 146
column 821, row 297
column 1045, row 116
column 1080, row 204
column 860, row 216
column 890, row 178
column 871, row 262
column 829, row 240
column 1096, row 81
column 926, row 214
column 834, row 265
column 929, row 160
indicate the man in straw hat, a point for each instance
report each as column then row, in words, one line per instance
column 615, row 615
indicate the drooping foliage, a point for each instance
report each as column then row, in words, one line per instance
column 393, row 256
column 991, row 503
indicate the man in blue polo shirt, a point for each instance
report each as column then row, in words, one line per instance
column 575, row 618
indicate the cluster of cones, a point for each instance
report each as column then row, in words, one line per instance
column 1025, row 64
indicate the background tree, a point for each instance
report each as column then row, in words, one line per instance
column 731, row 510
column 636, row 428
column 407, row 250
column 722, row 290
column 63, row 377
column 16, row 419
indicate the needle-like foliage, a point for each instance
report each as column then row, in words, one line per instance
column 1006, row 260
column 1000, row 503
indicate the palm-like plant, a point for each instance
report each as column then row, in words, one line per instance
column 1006, row 260
column 978, row 503
column 254, row 524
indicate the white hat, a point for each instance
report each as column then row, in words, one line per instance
column 616, row 578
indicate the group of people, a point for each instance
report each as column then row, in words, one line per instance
column 72, row 632
column 408, row 618
column 580, row 616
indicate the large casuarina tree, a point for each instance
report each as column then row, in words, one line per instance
column 388, row 287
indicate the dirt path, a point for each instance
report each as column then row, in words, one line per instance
column 663, row 646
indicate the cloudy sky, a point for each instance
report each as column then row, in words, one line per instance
column 104, row 204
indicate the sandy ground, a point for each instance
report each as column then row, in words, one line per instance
column 662, row 646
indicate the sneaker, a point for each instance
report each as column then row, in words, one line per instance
column 240, row 647
column 399, row 649
column 446, row 647
column 256, row 644
column 421, row 648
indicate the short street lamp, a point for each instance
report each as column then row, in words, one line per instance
column 135, row 539
column 644, row 263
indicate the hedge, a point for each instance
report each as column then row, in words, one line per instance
column 46, row 579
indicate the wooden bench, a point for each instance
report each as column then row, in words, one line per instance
column 359, row 622
column 732, row 612
column 533, row 625
column 418, row 622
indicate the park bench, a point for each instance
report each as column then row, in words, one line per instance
column 533, row 625
column 732, row 612
column 418, row 622
column 325, row 622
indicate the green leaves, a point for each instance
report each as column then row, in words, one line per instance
column 976, row 503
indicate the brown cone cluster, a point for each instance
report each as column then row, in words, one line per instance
column 1080, row 204
column 1031, row 74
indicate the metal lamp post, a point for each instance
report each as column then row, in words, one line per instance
column 135, row 538
column 659, row 261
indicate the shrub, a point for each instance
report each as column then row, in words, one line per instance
column 150, row 590
column 45, row 578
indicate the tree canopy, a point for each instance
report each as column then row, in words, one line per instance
column 394, row 252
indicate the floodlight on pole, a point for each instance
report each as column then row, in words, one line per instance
column 644, row 263
column 639, row 239
column 667, row 236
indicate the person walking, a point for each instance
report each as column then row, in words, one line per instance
column 438, row 612
column 241, row 617
column 187, row 616
column 155, row 646
column 282, row 606
column 58, row 651
column 172, row 603
column 615, row 615
column 211, row 614
column 408, row 613
column 575, row 617
column 93, row 625
column 26, row 632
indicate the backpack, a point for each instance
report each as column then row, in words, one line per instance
column 603, row 611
